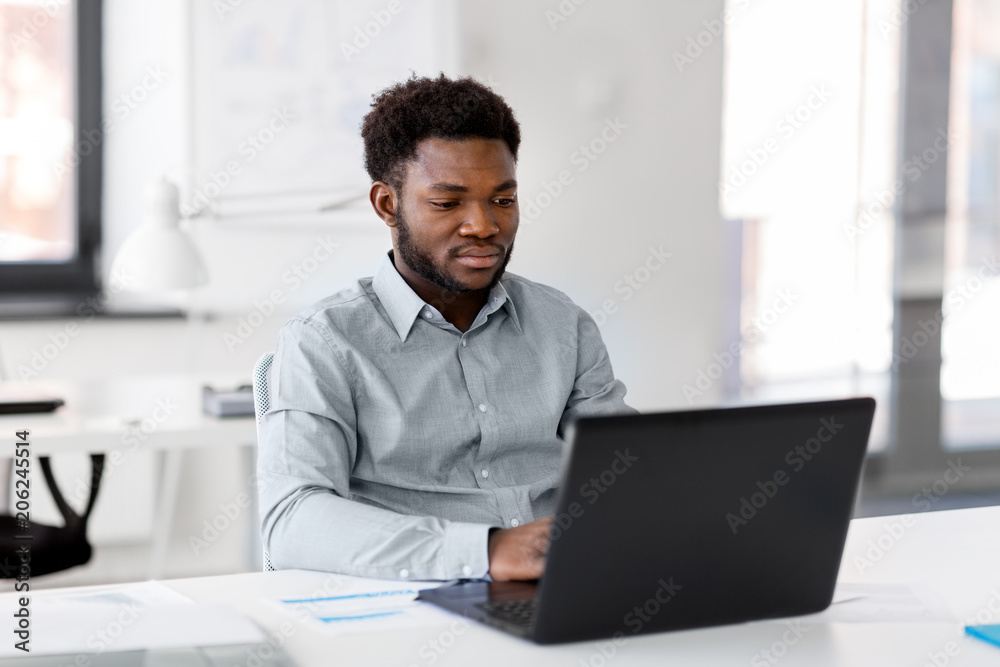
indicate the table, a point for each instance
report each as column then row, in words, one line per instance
column 165, row 414
column 956, row 553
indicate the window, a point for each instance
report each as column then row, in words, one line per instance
column 970, row 371
column 808, row 169
column 863, row 175
column 50, row 147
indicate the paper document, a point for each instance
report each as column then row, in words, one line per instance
column 360, row 606
column 881, row 603
column 126, row 618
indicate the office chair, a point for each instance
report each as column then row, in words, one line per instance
column 53, row 548
column 261, row 404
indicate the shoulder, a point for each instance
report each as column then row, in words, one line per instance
column 340, row 312
column 535, row 296
column 520, row 286
column 344, row 302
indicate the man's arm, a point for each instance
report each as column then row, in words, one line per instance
column 596, row 391
column 308, row 445
column 520, row 553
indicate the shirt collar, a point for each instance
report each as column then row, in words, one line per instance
column 500, row 292
column 404, row 306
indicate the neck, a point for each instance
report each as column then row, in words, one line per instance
column 459, row 308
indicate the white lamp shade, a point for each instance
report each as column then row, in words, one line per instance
column 158, row 259
column 159, row 256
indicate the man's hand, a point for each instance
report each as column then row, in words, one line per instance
column 519, row 553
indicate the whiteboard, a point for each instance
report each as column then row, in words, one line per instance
column 280, row 88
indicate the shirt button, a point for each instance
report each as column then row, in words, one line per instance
column 482, row 408
column 466, row 570
column 404, row 573
column 515, row 523
column 486, row 473
column 427, row 314
column 463, row 342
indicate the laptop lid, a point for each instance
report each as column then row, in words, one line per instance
column 686, row 519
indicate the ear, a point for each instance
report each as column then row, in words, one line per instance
column 385, row 201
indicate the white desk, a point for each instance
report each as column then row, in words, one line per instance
column 164, row 414
column 957, row 554
column 97, row 415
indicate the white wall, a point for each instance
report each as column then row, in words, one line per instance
column 655, row 185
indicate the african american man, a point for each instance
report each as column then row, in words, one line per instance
column 417, row 419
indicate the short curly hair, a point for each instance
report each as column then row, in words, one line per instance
column 406, row 113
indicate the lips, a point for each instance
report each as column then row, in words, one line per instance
column 479, row 259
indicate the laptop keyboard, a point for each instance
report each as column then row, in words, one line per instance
column 518, row 612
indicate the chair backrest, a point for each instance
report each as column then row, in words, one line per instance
column 53, row 548
column 261, row 404
column 261, row 381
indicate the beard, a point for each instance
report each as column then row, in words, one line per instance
column 424, row 266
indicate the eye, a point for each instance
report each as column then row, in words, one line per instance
column 506, row 201
column 444, row 204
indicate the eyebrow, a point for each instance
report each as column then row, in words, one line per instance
column 452, row 187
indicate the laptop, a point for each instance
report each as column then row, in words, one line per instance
column 688, row 519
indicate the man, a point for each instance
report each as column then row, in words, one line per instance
column 417, row 418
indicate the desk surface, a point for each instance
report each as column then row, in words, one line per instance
column 164, row 412
column 955, row 553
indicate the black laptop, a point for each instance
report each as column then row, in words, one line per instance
column 688, row 519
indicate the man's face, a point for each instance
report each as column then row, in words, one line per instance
column 457, row 213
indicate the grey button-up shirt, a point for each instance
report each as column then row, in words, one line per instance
column 394, row 441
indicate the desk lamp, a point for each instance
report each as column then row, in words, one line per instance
column 158, row 255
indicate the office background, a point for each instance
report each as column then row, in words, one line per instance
column 716, row 182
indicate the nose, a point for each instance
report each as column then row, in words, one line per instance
column 480, row 222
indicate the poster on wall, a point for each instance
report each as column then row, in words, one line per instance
column 279, row 94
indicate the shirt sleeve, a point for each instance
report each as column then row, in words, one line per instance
column 307, row 449
column 596, row 391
